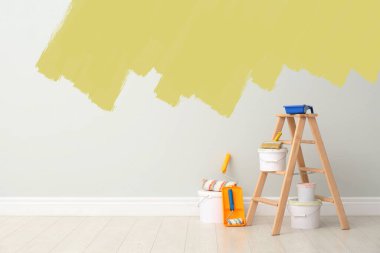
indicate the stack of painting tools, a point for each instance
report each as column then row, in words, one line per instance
column 274, row 144
column 222, row 193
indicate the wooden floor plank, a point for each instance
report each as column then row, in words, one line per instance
column 171, row 236
column 201, row 237
column 47, row 240
column 112, row 236
column 26, row 233
column 354, row 239
column 324, row 239
column 12, row 224
column 79, row 239
column 294, row 240
column 181, row 234
column 232, row 239
column 372, row 229
column 142, row 235
column 260, row 236
column 370, row 226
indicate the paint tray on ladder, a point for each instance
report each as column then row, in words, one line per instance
column 298, row 109
column 233, row 207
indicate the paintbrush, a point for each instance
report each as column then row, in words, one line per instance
column 274, row 144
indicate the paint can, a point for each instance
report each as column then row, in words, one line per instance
column 272, row 159
column 210, row 206
column 304, row 215
column 306, row 192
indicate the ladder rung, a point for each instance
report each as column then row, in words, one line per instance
column 283, row 172
column 266, row 201
column 279, row 172
column 325, row 199
column 307, row 169
column 289, row 142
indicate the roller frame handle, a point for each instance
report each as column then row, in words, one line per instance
column 307, row 107
column 231, row 200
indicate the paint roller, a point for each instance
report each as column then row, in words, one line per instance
column 225, row 164
column 232, row 209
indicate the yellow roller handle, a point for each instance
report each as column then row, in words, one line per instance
column 278, row 135
column 225, row 163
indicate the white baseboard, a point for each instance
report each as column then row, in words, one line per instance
column 354, row 206
column 154, row 206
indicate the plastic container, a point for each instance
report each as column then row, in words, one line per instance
column 298, row 109
column 304, row 215
column 238, row 206
column 272, row 159
column 306, row 192
column 210, row 206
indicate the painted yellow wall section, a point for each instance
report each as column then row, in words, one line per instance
column 210, row 48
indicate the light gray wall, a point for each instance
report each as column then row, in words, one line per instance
column 54, row 142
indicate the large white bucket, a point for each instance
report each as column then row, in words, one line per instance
column 272, row 159
column 210, row 206
column 304, row 215
column 306, row 192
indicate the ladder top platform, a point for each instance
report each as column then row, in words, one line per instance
column 297, row 115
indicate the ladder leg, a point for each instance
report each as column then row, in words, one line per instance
column 300, row 159
column 329, row 175
column 288, row 176
column 262, row 178
column 279, row 126
column 257, row 193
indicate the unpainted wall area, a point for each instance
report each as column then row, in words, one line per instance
column 55, row 142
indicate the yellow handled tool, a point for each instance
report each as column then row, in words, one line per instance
column 225, row 163
column 278, row 135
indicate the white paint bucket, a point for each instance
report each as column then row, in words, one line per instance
column 304, row 215
column 272, row 159
column 306, row 192
column 210, row 206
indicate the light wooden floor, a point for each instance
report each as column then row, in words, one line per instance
column 180, row 234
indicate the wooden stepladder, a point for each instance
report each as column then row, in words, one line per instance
column 296, row 157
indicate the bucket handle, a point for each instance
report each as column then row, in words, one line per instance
column 305, row 215
column 273, row 161
column 203, row 199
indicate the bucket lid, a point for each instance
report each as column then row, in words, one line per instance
column 295, row 202
column 306, row 185
column 270, row 150
column 203, row 193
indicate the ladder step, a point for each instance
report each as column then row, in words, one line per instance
column 266, row 201
column 283, row 172
column 279, row 172
column 307, row 169
column 325, row 199
column 289, row 142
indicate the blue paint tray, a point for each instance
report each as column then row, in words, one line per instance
column 298, row 109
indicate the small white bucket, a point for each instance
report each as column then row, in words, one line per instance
column 304, row 215
column 306, row 192
column 272, row 159
column 210, row 206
